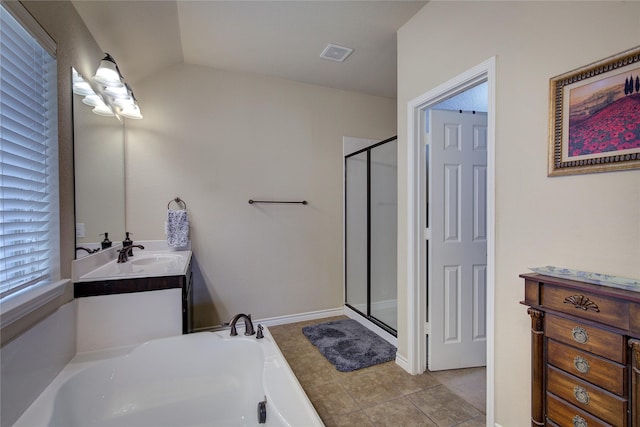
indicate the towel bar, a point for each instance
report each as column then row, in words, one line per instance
column 251, row 201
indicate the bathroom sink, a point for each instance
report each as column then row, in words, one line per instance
column 144, row 259
column 142, row 264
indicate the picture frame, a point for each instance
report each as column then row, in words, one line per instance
column 594, row 117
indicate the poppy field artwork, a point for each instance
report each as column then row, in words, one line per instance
column 605, row 116
column 595, row 121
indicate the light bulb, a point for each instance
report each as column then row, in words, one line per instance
column 117, row 91
column 103, row 110
column 93, row 100
column 131, row 112
column 108, row 73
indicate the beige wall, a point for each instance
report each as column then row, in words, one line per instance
column 589, row 222
column 217, row 139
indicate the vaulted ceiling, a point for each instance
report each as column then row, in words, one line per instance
column 276, row 38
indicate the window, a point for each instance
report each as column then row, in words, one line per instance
column 29, row 223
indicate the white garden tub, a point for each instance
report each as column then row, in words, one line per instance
column 202, row 379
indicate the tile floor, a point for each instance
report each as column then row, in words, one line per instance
column 384, row 394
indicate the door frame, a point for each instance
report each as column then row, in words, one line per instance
column 416, row 291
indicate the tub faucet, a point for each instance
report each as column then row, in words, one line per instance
column 123, row 254
column 248, row 324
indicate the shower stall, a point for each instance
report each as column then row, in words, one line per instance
column 371, row 232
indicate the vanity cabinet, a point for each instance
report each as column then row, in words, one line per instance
column 187, row 301
column 585, row 353
column 144, row 284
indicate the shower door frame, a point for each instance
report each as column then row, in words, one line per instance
column 368, row 316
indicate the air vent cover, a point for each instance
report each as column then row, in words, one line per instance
column 335, row 52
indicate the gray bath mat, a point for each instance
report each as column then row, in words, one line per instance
column 348, row 345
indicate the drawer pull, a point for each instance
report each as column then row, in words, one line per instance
column 582, row 302
column 580, row 335
column 581, row 395
column 581, row 364
column 578, row 421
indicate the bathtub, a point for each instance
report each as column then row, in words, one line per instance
column 201, row 379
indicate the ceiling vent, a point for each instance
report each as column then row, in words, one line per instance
column 335, row 52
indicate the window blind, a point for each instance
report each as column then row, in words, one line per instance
column 29, row 223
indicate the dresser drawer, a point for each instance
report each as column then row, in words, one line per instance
column 601, row 309
column 594, row 400
column 586, row 338
column 601, row 372
column 562, row 413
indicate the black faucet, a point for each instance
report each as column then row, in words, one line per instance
column 127, row 242
column 123, row 254
column 87, row 250
column 248, row 324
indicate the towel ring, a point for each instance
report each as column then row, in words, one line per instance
column 178, row 201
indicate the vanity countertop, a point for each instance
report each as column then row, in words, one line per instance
column 156, row 260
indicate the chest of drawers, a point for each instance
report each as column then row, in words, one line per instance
column 585, row 353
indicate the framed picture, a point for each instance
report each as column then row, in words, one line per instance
column 594, row 121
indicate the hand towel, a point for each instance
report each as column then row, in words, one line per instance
column 177, row 228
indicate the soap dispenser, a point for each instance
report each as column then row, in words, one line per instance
column 106, row 243
column 127, row 242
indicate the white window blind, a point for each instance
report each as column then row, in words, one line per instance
column 29, row 214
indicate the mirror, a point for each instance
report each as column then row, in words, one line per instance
column 98, row 149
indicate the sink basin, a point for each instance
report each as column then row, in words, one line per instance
column 142, row 264
column 143, row 259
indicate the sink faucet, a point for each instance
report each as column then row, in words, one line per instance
column 123, row 254
column 87, row 250
column 248, row 324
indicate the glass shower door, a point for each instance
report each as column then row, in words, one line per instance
column 371, row 233
column 383, row 218
column 356, row 231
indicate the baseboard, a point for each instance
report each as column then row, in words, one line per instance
column 281, row 320
column 301, row 317
column 402, row 362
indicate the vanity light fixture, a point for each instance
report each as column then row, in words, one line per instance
column 114, row 96
column 108, row 74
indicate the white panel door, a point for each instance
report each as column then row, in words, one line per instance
column 457, row 242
